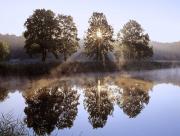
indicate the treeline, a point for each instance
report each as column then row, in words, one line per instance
column 166, row 51
column 47, row 32
column 16, row 45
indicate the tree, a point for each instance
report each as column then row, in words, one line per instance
column 42, row 110
column 41, row 30
column 98, row 103
column 135, row 43
column 133, row 100
column 67, row 35
column 99, row 37
column 4, row 51
column 51, row 107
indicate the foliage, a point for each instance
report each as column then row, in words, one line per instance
column 67, row 35
column 99, row 105
column 133, row 41
column 4, row 51
column 133, row 100
column 99, row 37
column 41, row 30
column 51, row 107
column 48, row 33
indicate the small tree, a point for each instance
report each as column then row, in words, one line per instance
column 4, row 51
column 134, row 41
column 41, row 30
column 98, row 40
column 67, row 36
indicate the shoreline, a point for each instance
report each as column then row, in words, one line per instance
column 68, row 68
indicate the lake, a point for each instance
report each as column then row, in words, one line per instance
column 141, row 103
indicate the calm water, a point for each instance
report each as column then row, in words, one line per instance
column 128, row 104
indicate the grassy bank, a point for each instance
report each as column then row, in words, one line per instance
column 27, row 69
column 58, row 68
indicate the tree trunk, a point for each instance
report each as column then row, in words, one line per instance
column 65, row 57
column 98, row 94
column 103, row 59
column 44, row 55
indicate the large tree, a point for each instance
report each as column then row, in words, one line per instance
column 99, row 37
column 134, row 41
column 4, row 51
column 51, row 107
column 41, row 31
column 67, row 36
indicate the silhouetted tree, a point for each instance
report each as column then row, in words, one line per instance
column 134, row 42
column 41, row 31
column 52, row 107
column 4, row 51
column 68, row 107
column 43, row 110
column 67, row 35
column 99, row 37
column 99, row 105
column 133, row 100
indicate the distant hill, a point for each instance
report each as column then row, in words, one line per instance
column 166, row 51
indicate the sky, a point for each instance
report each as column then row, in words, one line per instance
column 159, row 18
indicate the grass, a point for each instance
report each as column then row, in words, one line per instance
column 11, row 127
column 127, row 82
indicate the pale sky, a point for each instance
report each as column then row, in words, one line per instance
column 159, row 18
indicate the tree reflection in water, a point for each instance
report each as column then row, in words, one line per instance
column 99, row 104
column 3, row 94
column 52, row 107
column 133, row 100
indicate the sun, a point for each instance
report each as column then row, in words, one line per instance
column 99, row 34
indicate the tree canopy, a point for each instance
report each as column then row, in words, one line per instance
column 99, row 37
column 47, row 32
column 98, row 103
column 41, row 28
column 51, row 107
column 135, row 41
column 67, row 35
column 133, row 101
